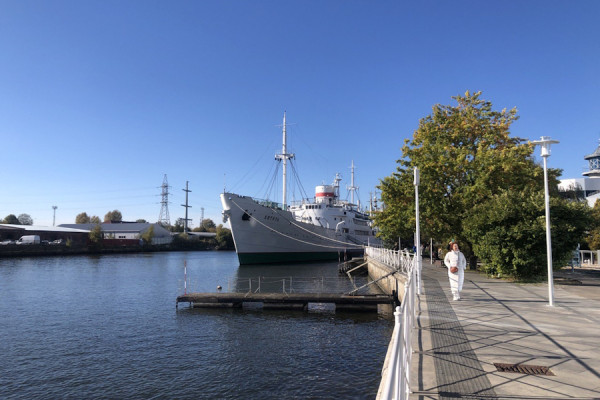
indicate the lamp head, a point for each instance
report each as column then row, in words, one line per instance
column 545, row 143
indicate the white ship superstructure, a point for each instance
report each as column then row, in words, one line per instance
column 318, row 229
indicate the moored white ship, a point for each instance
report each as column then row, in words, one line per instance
column 318, row 229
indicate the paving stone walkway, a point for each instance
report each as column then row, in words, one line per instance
column 457, row 343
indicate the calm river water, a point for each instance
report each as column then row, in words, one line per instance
column 106, row 327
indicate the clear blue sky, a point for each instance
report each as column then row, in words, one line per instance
column 100, row 99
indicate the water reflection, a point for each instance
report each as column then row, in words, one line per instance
column 295, row 278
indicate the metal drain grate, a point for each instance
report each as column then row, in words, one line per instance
column 523, row 369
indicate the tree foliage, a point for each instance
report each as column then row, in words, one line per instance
column 113, row 216
column 22, row 219
column 466, row 159
column 148, row 235
column 593, row 236
column 11, row 219
column 82, row 218
column 25, row 219
column 95, row 219
column 224, row 238
column 96, row 235
column 178, row 226
column 208, row 225
column 508, row 232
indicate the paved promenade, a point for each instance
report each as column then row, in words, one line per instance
column 457, row 342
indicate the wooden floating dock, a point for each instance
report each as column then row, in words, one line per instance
column 288, row 301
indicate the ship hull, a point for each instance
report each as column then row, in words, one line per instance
column 281, row 257
column 266, row 234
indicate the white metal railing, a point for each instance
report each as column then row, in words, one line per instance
column 400, row 260
column 395, row 374
column 286, row 284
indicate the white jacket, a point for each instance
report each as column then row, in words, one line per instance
column 455, row 259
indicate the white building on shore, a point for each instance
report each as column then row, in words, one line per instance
column 590, row 183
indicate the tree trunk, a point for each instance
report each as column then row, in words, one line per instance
column 473, row 263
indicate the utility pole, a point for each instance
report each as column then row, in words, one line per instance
column 54, row 215
column 185, row 223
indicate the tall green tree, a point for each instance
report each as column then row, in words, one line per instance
column 178, row 226
column 113, row 216
column 11, row 219
column 593, row 236
column 224, row 238
column 25, row 219
column 82, row 218
column 508, row 232
column 148, row 235
column 96, row 236
column 466, row 157
column 208, row 225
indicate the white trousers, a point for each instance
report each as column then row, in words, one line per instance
column 456, row 281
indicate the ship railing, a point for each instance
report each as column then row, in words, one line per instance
column 361, row 222
column 268, row 203
column 302, row 201
column 286, row 284
column 395, row 374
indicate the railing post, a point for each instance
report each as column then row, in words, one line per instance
column 398, row 388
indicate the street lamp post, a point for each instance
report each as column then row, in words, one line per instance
column 418, row 232
column 545, row 143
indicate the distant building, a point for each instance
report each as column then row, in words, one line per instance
column 46, row 233
column 127, row 233
column 202, row 235
column 590, row 185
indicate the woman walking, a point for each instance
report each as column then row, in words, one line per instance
column 456, row 263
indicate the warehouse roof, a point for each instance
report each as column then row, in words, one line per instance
column 118, row 227
column 39, row 228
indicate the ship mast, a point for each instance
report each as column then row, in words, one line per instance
column 284, row 156
column 352, row 188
